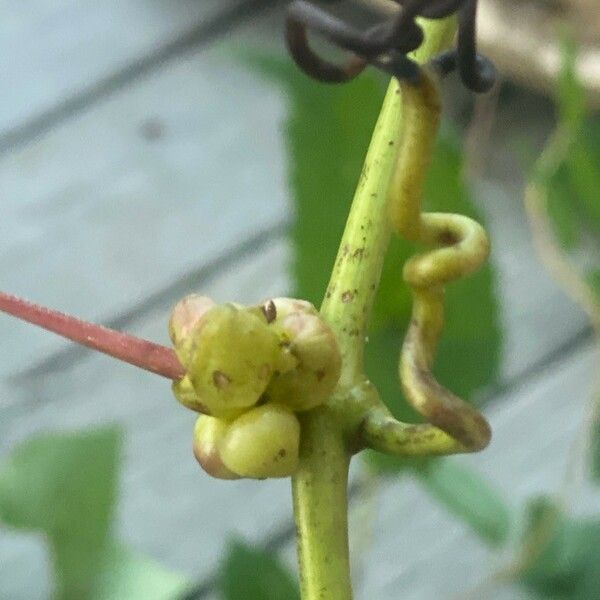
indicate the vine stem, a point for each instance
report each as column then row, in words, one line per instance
column 355, row 278
column 319, row 487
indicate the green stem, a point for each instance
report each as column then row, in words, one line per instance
column 320, row 508
column 357, row 270
column 359, row 262
column 320, row 485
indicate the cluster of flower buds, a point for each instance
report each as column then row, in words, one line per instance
column 249, row 370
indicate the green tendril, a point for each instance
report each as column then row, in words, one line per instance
column 461, row 246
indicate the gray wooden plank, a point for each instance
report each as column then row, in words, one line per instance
column 52, row 51
column 96, row 216
column 26, row 569
column 537, row 316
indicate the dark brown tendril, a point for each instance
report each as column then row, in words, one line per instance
column 309, row 61
column 476, row 71
column 386, row 44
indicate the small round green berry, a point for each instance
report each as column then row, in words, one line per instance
column 185, row 317
column 314, row 345
column 263, row 442
column 209, row 433
column 186, row 395
column 232, row 359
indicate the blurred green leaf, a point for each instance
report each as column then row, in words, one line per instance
column 561, row 210
column 381, row 362
column 54, row 479
column 125, row 575
column 572, row 188
column 595, row 446
column 562, row 554
column 327, row 133
column 64, row 485
column 252, row 574
column 467, row 495
column 583, row 164
column 592, row 278
column 572, row 178
column 570, row 93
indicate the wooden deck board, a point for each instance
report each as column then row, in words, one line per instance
column 53, row 51
column 537, row 317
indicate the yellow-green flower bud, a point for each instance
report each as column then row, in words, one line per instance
column 186, row 395
column 314, row 345
column 263, row 442
column 186, row 316
column 231, row 359
column 209, row 433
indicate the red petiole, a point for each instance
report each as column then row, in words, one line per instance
column 128, row 348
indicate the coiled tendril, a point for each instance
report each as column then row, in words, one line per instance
column 387, row 44
column 461, row 248
column 461, row 244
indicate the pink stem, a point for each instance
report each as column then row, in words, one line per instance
column 141, row 353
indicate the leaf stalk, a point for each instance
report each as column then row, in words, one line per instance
column 144, row 354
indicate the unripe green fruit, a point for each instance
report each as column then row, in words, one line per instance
column 186, row 395
column 209, row 433
column 232, row 358
column 263, row 442
column 314, row 345
column 185, row 318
